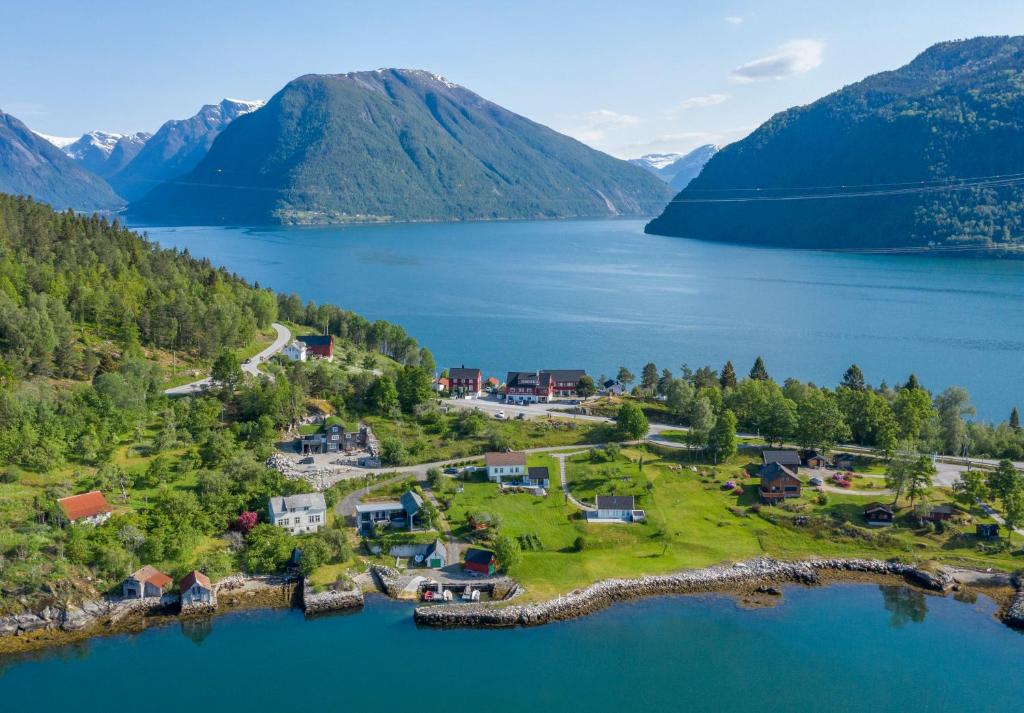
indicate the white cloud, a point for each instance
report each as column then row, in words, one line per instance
column 706, row 100
column 593, row 125
column 792, row 58
column 733, row 19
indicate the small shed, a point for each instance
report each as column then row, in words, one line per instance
column 843, row 461
column 940, row 513
column 482, row 561
column 987, row 531
column 195, row 589
column 145, row 582
column 615, row 507
column 816, row 459
column 878, row 514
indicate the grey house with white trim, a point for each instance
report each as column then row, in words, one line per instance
column 299, row 513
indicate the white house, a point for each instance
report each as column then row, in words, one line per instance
column 88, row 508
column 296, row 351
column 196, row 590
column 618, row 507
column 505, row 466
column 299, row 513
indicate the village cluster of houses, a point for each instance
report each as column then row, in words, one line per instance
column 520, row 387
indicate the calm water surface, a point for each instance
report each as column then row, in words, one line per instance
column 597, row 294
column 844, row 648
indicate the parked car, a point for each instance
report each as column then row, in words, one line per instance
column 500, row 415
column 451, row 470
column 521, row 416
column 306, row 461
column 815, row 481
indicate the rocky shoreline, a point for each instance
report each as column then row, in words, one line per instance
column 762, row 574
column 55, row 626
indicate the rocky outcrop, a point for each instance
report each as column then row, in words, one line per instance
column 1014, row 614
column 763, row 572
column 330, row 599
column 89, row 614
column 388, row 580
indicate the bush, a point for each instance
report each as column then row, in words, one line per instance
column 580, row 543
column 10, row 474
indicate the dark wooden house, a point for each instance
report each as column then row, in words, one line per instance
column 878, row 514
column 778, row 482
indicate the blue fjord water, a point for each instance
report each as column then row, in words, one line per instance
column 599, row 294
column 842, row 648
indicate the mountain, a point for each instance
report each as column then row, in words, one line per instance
column 676, row 169
column 31, row 165
column 177, row 147
column 655, row 162
column 688, row 167
column 901, row 160
column 101, row 152
column 395, row 144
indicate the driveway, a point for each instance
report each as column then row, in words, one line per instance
column 249, row 367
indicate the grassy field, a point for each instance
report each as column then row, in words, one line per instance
column 693, row 522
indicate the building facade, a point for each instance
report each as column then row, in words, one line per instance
column 465, row 382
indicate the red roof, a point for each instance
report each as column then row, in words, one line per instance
column 192, row 578
column 493, row 380
column 443, row 382
column 85, row 505
column 151, row 574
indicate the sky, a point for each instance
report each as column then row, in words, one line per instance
column 628, row 78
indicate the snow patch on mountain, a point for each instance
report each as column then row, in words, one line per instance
column 58, row 141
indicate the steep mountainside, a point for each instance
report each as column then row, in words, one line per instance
column 903, row 159
column 31, row 165
column 103, row 153
column 177, row 147
column 396, row 145
column 676, row 169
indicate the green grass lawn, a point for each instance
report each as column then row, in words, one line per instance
column 693, row 522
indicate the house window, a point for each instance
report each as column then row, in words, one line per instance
column 283, row 522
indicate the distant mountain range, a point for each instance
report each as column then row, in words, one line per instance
column 103, row 153
column 395, row 144
column 177, row 147
column 31, row 165
column 677, row 169
column 928, row 156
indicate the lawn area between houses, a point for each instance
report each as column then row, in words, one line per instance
column 691, row 522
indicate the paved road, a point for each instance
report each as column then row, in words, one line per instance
column 250, row 367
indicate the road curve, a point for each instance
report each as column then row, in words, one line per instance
column 251, row 366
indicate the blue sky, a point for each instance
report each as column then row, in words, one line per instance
column 625, row 77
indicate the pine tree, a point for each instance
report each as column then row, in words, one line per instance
column 649, row 377
column 728, row 377
column 758, row 372
column 912, row 383
column 1015, row 419
column 854, row 379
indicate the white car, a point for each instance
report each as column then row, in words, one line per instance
column 500, row 415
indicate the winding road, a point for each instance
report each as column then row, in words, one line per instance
column 251, row 366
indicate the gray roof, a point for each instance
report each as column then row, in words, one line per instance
column 774, row 471
column 382, row 506
column 305, row 501
column 783, row 457
column 411, row 502
column 615, row 502
column 463, row 373
column 538, row 472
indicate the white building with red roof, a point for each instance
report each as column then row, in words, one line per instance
column 88, row 508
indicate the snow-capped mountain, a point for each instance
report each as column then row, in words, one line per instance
column 677, row 169
column 177, row 147
column 58, row 141
column 654, row 162
column 101, row 152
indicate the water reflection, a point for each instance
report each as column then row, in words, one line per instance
column 197, row 628
column 905, row 604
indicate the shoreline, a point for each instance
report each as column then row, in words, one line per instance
column 752, row 583
column 758, row 577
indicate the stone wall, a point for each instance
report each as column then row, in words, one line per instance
column 1014, row 615
column 329, row 600
column 602, row 594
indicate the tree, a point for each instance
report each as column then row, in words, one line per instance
column 912, row 383
column 507, row 551
column 267, row 549
column 758, row 372
column 913, row 409
column 722, row 440
column 664, row 382
column 920, row 479
column 1013, row 510
column 728, row 376
column 625, row 376
column 1003, row 480
column 392, row 451
column 820, row 423
column 413, row 387
column 776, row 416
column 586, row 388
column 952, row 406
column 315, row 554
column 649, row 377
column 971, row 488
column 854, row 379
column 227, row 371
column 384, row 395
column 897, row 473
column 678, row 398
column 631, row 422
column 1014, row 419
column 701, row 417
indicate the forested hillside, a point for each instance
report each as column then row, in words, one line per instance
column 928, row 156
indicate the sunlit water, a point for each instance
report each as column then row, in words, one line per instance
column 597, row 294
column 842, row 648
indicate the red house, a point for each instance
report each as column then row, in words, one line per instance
column 482, row 561
column 465, row 382
column 567, row 381
column 319, row 345
column 90, row 508
column 529, row 386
